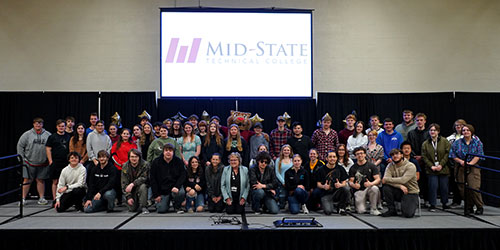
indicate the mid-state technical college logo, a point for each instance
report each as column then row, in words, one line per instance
column 181, row 56
column 219, row 52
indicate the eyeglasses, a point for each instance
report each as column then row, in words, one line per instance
column 266, row 162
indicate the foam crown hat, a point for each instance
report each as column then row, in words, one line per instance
column 288, row 119
column 116, row 119
column 205, row 116
column 326, row 117
column 256, row 118
column 145, row 114
column 179, row 116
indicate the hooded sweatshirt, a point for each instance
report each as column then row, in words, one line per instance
column 31, row 146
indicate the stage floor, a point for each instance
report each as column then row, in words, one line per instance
column 37, row 217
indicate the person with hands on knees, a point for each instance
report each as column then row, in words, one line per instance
column 297, row 185
column 195, row 185
column 400, row 184
column 167, row 177
column 102, row 178
column 364, row 178
column 264, row 184
column 134, row 176
column 213, row 175
column 330, row 188
column 71, row 185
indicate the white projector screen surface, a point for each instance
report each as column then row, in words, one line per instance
column 236, row 54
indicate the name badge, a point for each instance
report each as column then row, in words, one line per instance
column 234, row 189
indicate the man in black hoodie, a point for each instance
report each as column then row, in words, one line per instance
column 167, row 176
column 102, row 178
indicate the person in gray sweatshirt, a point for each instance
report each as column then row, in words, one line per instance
column 31, row 147
column 98, row 140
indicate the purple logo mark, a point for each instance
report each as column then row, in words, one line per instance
column 181, row 56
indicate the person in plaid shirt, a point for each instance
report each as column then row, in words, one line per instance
column 325, row 139
column 279, row 137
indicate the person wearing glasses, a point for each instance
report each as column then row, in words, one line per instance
column 264, row 183
column 364, row 178
column 235, row 185
column 469, row 144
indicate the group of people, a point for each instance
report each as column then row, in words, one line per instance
column 195, row 164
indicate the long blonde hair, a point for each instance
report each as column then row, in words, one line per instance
column 283, row 155
column 230, row 139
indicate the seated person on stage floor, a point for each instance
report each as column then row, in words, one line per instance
column 213, row 175
column 400, row 184
column 102, row 178
column 195, row 185
column 71, row 185
column 167, row 177
column 31, row 147
column 312, row 166
column 329, row 186
column 134, row 176
column 297, row 186
column 235, row 185
column 364, row 178
column 264, row 183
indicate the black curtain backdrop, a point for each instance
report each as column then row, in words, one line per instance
column 168, row 107
column 439, row 107
column 18, row 110
column 302, row 110
column 128, row 105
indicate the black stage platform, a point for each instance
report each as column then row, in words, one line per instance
column 43, row 228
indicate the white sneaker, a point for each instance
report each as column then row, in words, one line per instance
column 304, row 209
column 42, row 201
column 145, row 210
column 23, row 202
column 375, row 212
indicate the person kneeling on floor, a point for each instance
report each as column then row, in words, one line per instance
column 71, row 184
column 400, row 184
column 135, row 174
column 364, row 178
column 102, row 178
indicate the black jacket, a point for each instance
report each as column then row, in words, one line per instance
column 101, row 180
column 165, row 176
column 268, row 177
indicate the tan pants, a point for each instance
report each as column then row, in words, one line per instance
column 373, row 194
column 474, row 180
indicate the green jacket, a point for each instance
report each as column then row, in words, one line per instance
column 156, row 148
column 428, row 153
column 141, row 176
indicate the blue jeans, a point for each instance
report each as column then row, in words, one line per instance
column 282, row 193
column 260, row 196
column 164, row 204
column 298, row 198
column 434, row 181
column 107, row 201
column 199, row 200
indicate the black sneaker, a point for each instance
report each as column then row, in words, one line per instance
column 446, row 207
column 479, row 211
column 389, row 213
column 432, row 208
